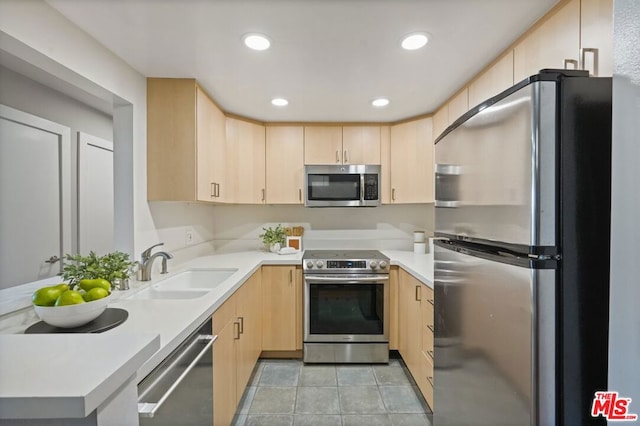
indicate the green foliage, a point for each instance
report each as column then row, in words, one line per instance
column 111, row 266
column 272, row 236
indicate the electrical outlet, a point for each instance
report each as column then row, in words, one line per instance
column 188, row 237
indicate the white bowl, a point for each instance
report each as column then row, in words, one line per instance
column 70, row 316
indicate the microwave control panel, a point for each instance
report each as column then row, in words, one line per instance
column 370, row 186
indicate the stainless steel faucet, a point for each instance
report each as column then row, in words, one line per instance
column 147, row 259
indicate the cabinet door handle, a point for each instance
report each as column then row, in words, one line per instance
column 583, row 55
column 236, row 329
column 300, row 194
column 241, row 320
column 290, row 276
column 393, row 194
column 217, row 190
column 430, row 353
column 213, row 189
column 430, row 301
column 263, row 197
column 337, row 155
column 430, row 379
column 346, row 156
column 572, row 62
column 430, row 327
column 418, row 293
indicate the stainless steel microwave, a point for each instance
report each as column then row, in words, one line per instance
column 342, row 186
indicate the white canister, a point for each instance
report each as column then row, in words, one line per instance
column 418, row 237
column 419, row 248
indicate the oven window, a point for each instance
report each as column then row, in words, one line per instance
column 346, row 308
column 333, row 187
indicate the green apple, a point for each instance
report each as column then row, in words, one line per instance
column 88, row 284
column 46, row 296
column 69, row 297
column 95, row 294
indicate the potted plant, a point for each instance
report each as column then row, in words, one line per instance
column 118, row 269
column 113, row 267
column 274, row 238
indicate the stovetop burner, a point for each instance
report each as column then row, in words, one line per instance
column 344, row 262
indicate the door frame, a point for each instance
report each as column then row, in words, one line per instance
column 64, row 146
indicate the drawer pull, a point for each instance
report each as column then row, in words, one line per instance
column 236, row 329
column 430, row 353
column 430, row 327
column 430, row 301
column 430, row 379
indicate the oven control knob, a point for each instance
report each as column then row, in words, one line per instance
column 319, row 263
column 310, row 264
column 373, row 264
column 383, row 264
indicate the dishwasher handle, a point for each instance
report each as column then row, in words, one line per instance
column 148, row 409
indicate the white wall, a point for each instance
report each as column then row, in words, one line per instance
column 36, row 33
column 385, row 227
column 624, row 325
column 24, row 94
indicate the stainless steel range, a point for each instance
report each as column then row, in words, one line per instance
column 346, row 315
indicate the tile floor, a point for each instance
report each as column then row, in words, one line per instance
column 287, row 392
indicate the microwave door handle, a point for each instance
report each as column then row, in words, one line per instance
column 362, row 190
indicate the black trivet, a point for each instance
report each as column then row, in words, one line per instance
column 111, row 317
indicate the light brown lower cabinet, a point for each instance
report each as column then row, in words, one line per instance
column 237, row 323
column 282, row 308
column 415, row 331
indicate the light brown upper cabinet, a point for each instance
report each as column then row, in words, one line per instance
column 342, row 145
column 284, row 165
column 492, row 81
column 246, row 161
column 596, row 37
column 440, row 121
column 322, row 145
column 412, row 178
column 458, row 105
column 185, row 143
column 554, row 43
column 361, row 144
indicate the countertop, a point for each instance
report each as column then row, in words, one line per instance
column 67, row 375
column 170, row 320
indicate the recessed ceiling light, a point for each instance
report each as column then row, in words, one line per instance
column 380, row 102
column 279, row 102
column 256, row 41
column 414, row 41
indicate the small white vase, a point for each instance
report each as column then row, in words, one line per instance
column 274, row 248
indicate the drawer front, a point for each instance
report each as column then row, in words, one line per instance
column 427, row 383
column 427, row 320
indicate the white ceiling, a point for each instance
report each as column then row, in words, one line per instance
column 329, row 58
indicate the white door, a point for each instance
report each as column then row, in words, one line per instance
column 95, row 195
column 35, row 221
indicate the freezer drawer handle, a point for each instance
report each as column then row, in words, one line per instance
column 148, row 409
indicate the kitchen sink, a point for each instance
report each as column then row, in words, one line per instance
column 153, row 294
column 201, row 279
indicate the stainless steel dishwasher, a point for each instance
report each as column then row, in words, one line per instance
column 180, row 389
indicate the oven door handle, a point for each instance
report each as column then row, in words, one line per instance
column 339, row 279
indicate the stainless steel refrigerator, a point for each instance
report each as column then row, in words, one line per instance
column 521, row 263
